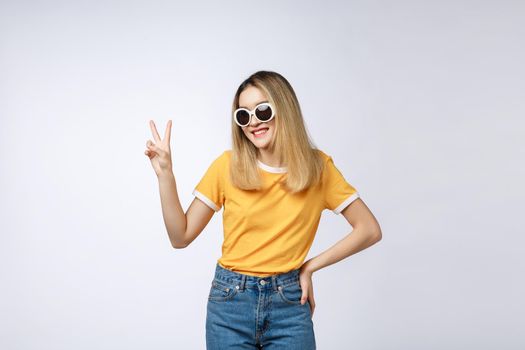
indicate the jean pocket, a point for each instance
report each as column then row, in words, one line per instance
column 222, row 291
column 291, row 293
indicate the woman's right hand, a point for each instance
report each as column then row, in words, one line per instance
column 159, row 153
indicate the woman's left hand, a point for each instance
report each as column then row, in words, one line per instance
column 305, row 279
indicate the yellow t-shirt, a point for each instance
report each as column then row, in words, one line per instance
column 270, row 231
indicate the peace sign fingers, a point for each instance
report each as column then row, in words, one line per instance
column 156, row 136
column 159, row 151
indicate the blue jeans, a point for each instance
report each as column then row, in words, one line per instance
column 250, row 312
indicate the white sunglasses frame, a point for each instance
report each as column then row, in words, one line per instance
column 252, row 113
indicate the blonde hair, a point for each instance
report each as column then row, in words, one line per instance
column 291, row 142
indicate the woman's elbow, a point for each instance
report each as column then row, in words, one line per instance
column 178, row 245
column 376, row 234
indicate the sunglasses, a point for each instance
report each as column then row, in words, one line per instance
column 263, row 112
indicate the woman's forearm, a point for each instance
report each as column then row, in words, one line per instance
column 357, row 240
column 172, row 212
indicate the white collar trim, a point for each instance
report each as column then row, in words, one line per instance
column 271, row 169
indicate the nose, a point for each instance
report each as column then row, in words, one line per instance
column 253, row 120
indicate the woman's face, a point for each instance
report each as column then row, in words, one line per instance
column 249, row 98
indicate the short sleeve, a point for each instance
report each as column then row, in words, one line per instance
column 210, row 188
column 337, row 192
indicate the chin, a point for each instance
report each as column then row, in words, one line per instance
column 264, row 142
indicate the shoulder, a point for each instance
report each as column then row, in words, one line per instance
column 223, row 155
column 219, row 160
column 223, row 158
column 324, row 156
column 226, row 155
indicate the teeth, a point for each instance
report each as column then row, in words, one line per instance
column 260, row 132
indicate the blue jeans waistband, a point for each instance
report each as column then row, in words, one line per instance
column 244, row 280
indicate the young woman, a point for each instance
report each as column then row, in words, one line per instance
column 273, row 185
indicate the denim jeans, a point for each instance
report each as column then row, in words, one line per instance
column 250, row 312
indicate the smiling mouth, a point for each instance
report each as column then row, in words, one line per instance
column 260, row 132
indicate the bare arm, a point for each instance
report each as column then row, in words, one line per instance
column 172, row 213
column 182, row 227
column 366, row 232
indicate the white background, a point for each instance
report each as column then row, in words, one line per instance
column 420, row 104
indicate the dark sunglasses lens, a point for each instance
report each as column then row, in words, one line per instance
column 263, row 112
column 242, row 117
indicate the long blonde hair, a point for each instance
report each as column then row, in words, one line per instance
column 291, row 141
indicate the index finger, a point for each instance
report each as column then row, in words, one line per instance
column 154, row 131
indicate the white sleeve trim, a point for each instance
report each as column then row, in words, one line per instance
column 206, row 200
column 347, row 201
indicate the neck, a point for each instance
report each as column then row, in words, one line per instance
column 269, row 158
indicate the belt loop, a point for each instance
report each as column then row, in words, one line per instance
column 274, row 283
column 243, row 282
